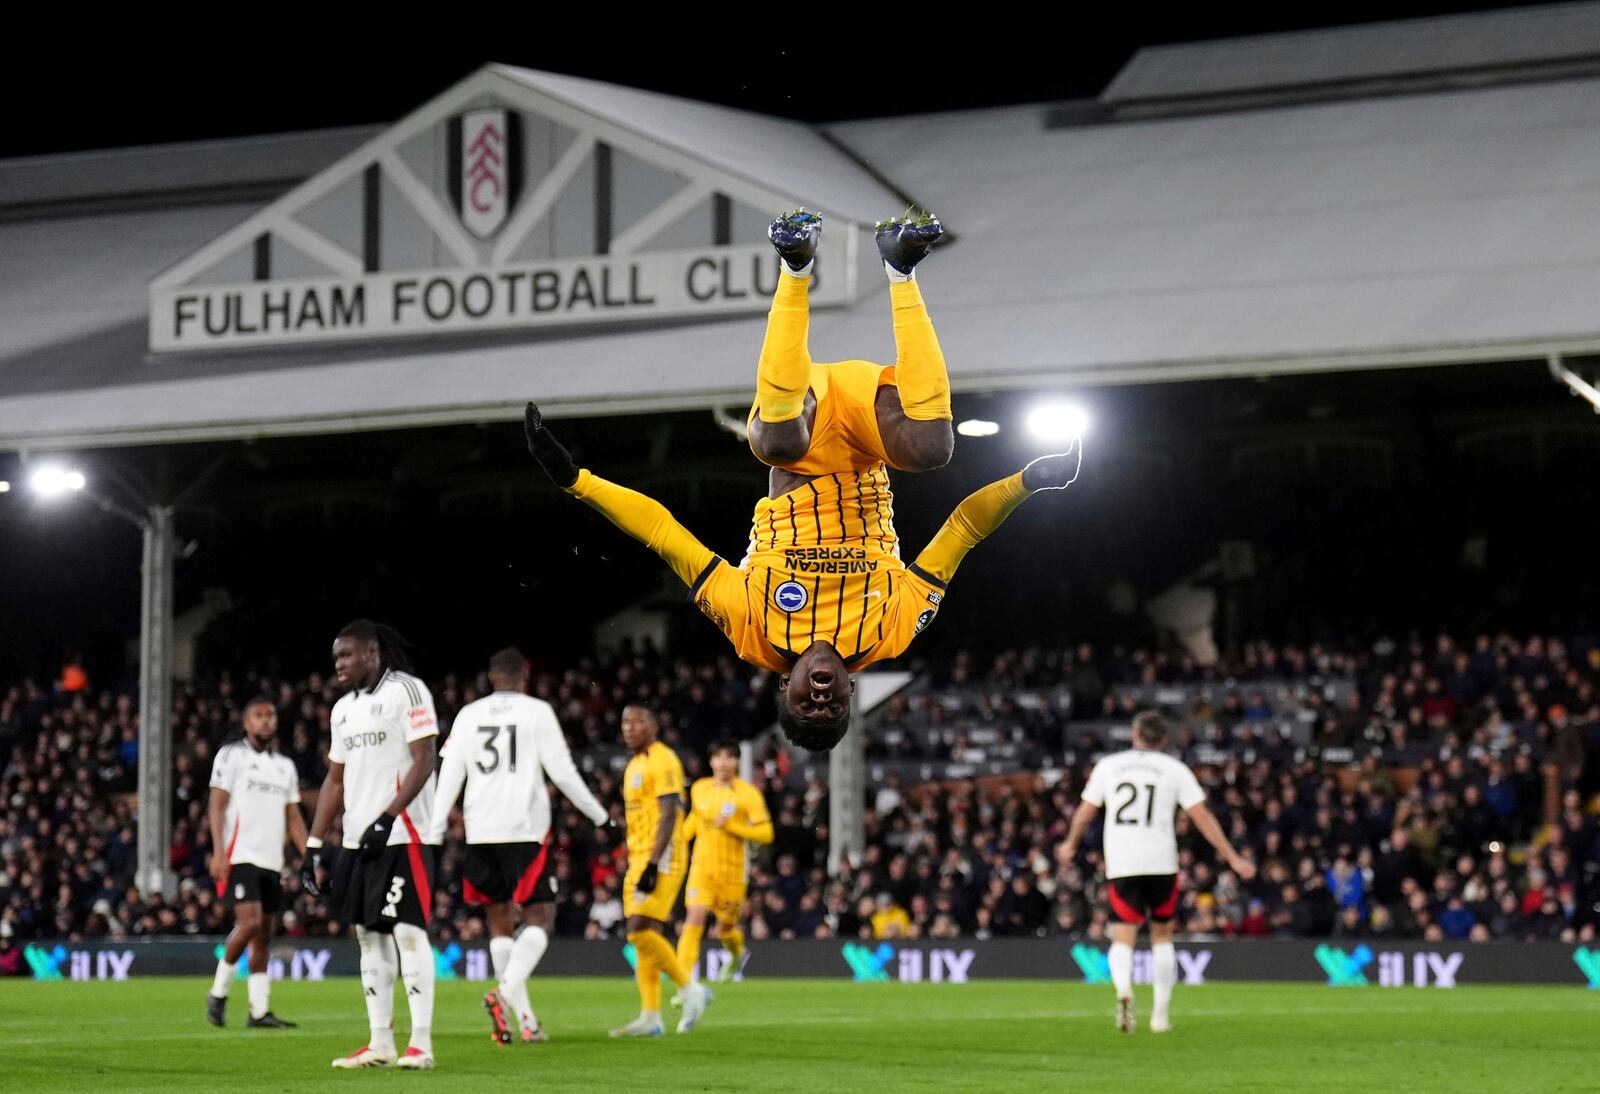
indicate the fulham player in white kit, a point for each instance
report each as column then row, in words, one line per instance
column 380, row 775
column 255, row 806
column 502, row 748
column 1141, row 789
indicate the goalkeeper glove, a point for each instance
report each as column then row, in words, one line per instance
column 376, row 837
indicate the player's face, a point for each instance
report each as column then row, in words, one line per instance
column 819, row 684
column 354, row 661
column 638, row 728
column 261, row 723
column 725, row 766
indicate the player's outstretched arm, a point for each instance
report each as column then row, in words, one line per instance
column 1205, row 820
column 556, row 759
column 982, row 512
column 643, row 518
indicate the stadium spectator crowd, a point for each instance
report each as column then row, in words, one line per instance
column 1449, row 795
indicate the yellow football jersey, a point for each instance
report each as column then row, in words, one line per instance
column 719, row 855
column 650, row 775
column 823, row 564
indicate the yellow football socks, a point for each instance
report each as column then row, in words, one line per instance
column 920, row 371
column 784, row 373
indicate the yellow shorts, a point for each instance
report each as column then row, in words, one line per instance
column 724, row 896
column 657, row 905
column 844, row 433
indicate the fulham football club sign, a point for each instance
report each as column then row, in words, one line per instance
column 502, row 206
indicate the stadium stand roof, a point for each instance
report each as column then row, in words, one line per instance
column 1433, row 227
column 1497, row 47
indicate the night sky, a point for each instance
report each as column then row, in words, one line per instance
column 167, row 79
column 68, row 576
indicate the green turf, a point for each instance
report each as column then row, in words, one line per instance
column 150, row 1035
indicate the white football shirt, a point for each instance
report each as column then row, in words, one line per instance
column 260, row 786
column 503, row 747
column 372, row 735
column 1140, row 791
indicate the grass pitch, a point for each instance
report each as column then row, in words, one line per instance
column 151, row 1035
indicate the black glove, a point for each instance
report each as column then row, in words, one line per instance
column 376, row 837
column 1054, row 472
column 647, row 879
column 555, row 459
column 309, row 865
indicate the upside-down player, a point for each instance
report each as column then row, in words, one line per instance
column 818, row 580
column 726, row 815
column 821, row 591
column 652, row 790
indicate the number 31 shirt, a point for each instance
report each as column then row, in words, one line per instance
column 502, row 747
column 1139, row 791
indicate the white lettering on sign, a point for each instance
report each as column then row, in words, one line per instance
column 654, row 285
column 309, row 964
column 1194, row 966
column 951, row 965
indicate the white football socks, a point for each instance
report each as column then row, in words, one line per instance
column 1164, row 970
column 260, row 988
column 417, row 972
column 224, row 977
column 499, row 954
column 377, row 984
column 1121, row 961
column 525, row 957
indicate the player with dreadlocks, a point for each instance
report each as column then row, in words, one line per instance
column 380, row 776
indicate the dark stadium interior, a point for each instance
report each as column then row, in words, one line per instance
column 1373, row 502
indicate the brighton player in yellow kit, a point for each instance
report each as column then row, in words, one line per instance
column 726, row 815
column 822, row 591
column 658, row 859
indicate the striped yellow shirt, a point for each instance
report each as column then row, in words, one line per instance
column 650, row 775
column 720, row 854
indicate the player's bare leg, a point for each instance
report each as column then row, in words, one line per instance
column 259, row 986
column 246, row 922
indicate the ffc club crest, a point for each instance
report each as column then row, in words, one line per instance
column 485, row 168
